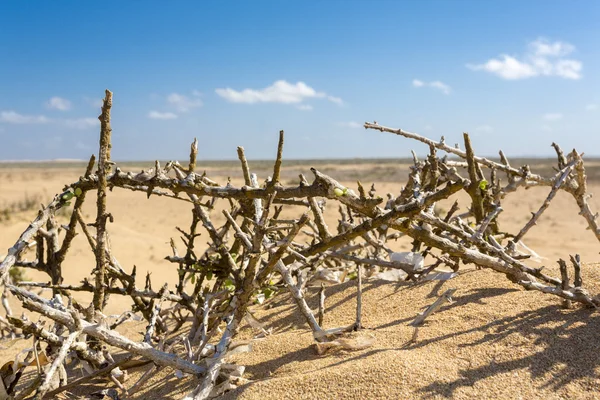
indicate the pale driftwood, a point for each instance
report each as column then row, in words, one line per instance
column 577, row 281
column 515, row 270
column 60, row 357
column 33, row 303
column 88, row 287
column 441, row 145
column 486, row 222
column 102, row 215
column 284, row 245
column 446, row 297
column 358, row 322
column 5, row 303
column 82, row 350
column 203, row 390
column 565, row 280
column 71, row 228
column 155, row 315
column 192, row 184
column 521, row 177
column 408, row 268
column 298, row 295
column 26, row 237
column 563, row 175
column 581, row 196
column 321, row 305
column 322, row 227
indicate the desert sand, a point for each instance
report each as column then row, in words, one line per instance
column 495, row 341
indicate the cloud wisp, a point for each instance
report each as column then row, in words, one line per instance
column 280, row 91
column 161, row 115
column 58, row 103
column 94, row 102
column 441, row 86
column 179, row 104
column 15, row 118
column 552, row 116
column 543, row 58
column 82, row 123
column 350, row 124
column 184, row 103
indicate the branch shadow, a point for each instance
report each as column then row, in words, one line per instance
column 287, row 316
column 475, row 296
column 304, row 354
column 570, row 347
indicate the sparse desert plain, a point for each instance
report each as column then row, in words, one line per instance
column 496, row 340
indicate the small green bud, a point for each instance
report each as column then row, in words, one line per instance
column 229, row 285
column 67, row 196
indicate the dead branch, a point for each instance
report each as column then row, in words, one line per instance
column 34, row 303
column 102, row 215
column 261, row 247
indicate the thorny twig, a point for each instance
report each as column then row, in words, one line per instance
column 257, row 250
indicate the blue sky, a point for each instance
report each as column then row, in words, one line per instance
column 517, row 75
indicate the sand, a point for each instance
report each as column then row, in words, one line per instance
column 495, row 341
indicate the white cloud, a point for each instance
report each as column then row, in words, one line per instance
column 441, row 86
column 82, row 123
column 184, row 103
column 484, row 129
column 552, row 116
column 568, row 69
column 179, row 102
column 279, row 92
column 335, row 100
column 94, row 102
column 12, row 117
column 350, row 124
column 507, row 68
column 305, row 107
column 591, row 107
column 58, row 103
column 541, row 47
column 543, row 58
column 161, row 115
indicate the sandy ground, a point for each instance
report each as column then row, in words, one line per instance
column 495, row 341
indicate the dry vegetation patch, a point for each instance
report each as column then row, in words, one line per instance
column 281, row 288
